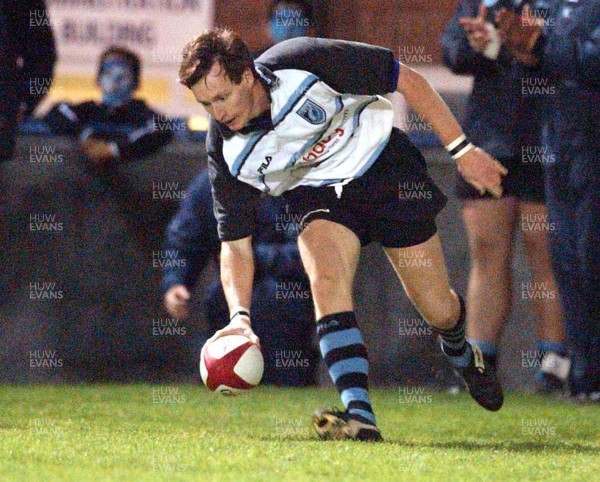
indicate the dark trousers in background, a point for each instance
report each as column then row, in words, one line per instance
column 574, row 229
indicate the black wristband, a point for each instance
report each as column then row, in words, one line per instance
column 240, row 312
column 458, row 148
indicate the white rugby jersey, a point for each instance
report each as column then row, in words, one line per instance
column 319, row 136
column 327, row 125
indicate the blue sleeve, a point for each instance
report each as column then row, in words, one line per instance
column 191, row 237
column 395, row 76
column 571, row 48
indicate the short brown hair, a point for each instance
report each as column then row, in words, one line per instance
column 218, row 45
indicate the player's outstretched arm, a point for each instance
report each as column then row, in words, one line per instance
column 477, row 167
column 237, row 276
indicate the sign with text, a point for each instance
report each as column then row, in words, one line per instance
column 156, row 30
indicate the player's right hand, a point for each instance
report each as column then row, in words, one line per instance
column 176, row 301
column 240, row 325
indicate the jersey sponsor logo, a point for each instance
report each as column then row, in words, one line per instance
column 312, row 112
column 322, row 146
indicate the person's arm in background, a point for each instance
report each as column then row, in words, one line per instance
column 191, row 240
column 466, row 54
column 67, row 119
column 566, row 45
column 38, row 51
column 73, row 120
column 154, row 132
column 151, row 133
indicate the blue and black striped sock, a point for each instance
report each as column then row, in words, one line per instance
column 345, row 355
column 453, row 341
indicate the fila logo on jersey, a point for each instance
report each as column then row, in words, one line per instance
column 264, row 165
column 312, row 112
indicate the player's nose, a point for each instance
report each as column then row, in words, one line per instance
column 219, row 114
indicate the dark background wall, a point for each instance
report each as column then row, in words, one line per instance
column 392, row 24
column 101, row 327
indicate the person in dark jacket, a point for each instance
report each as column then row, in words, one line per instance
column 119, row 128
column 281, row 303
column 566, row 44
column 507, row 123
column 27, row 58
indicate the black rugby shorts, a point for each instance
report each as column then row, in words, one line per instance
column 394, row 203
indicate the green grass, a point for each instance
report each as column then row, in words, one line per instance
column 133, row 432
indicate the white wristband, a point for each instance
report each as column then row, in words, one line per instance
column 456, row 142
column 463, row 151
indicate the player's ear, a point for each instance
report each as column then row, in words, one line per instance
column 248, row 76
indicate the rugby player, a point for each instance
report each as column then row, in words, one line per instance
column 307, row 120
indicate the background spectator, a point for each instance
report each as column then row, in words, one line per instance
column 566, row 45
column 288, row 19
column 508, row 125
column 119, row 128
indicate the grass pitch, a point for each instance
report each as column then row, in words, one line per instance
column 171, row 433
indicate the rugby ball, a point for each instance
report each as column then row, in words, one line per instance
column 231, row 364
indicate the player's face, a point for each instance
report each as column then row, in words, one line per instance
column 229, row 103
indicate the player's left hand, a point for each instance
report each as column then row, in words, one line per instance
column 482, row 171
column 98, row 151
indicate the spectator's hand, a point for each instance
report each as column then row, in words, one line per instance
column 98, row 151
column 240, row 325
column 482, row 171
column 476, row 30
column 520, row 33
column 176, row 301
